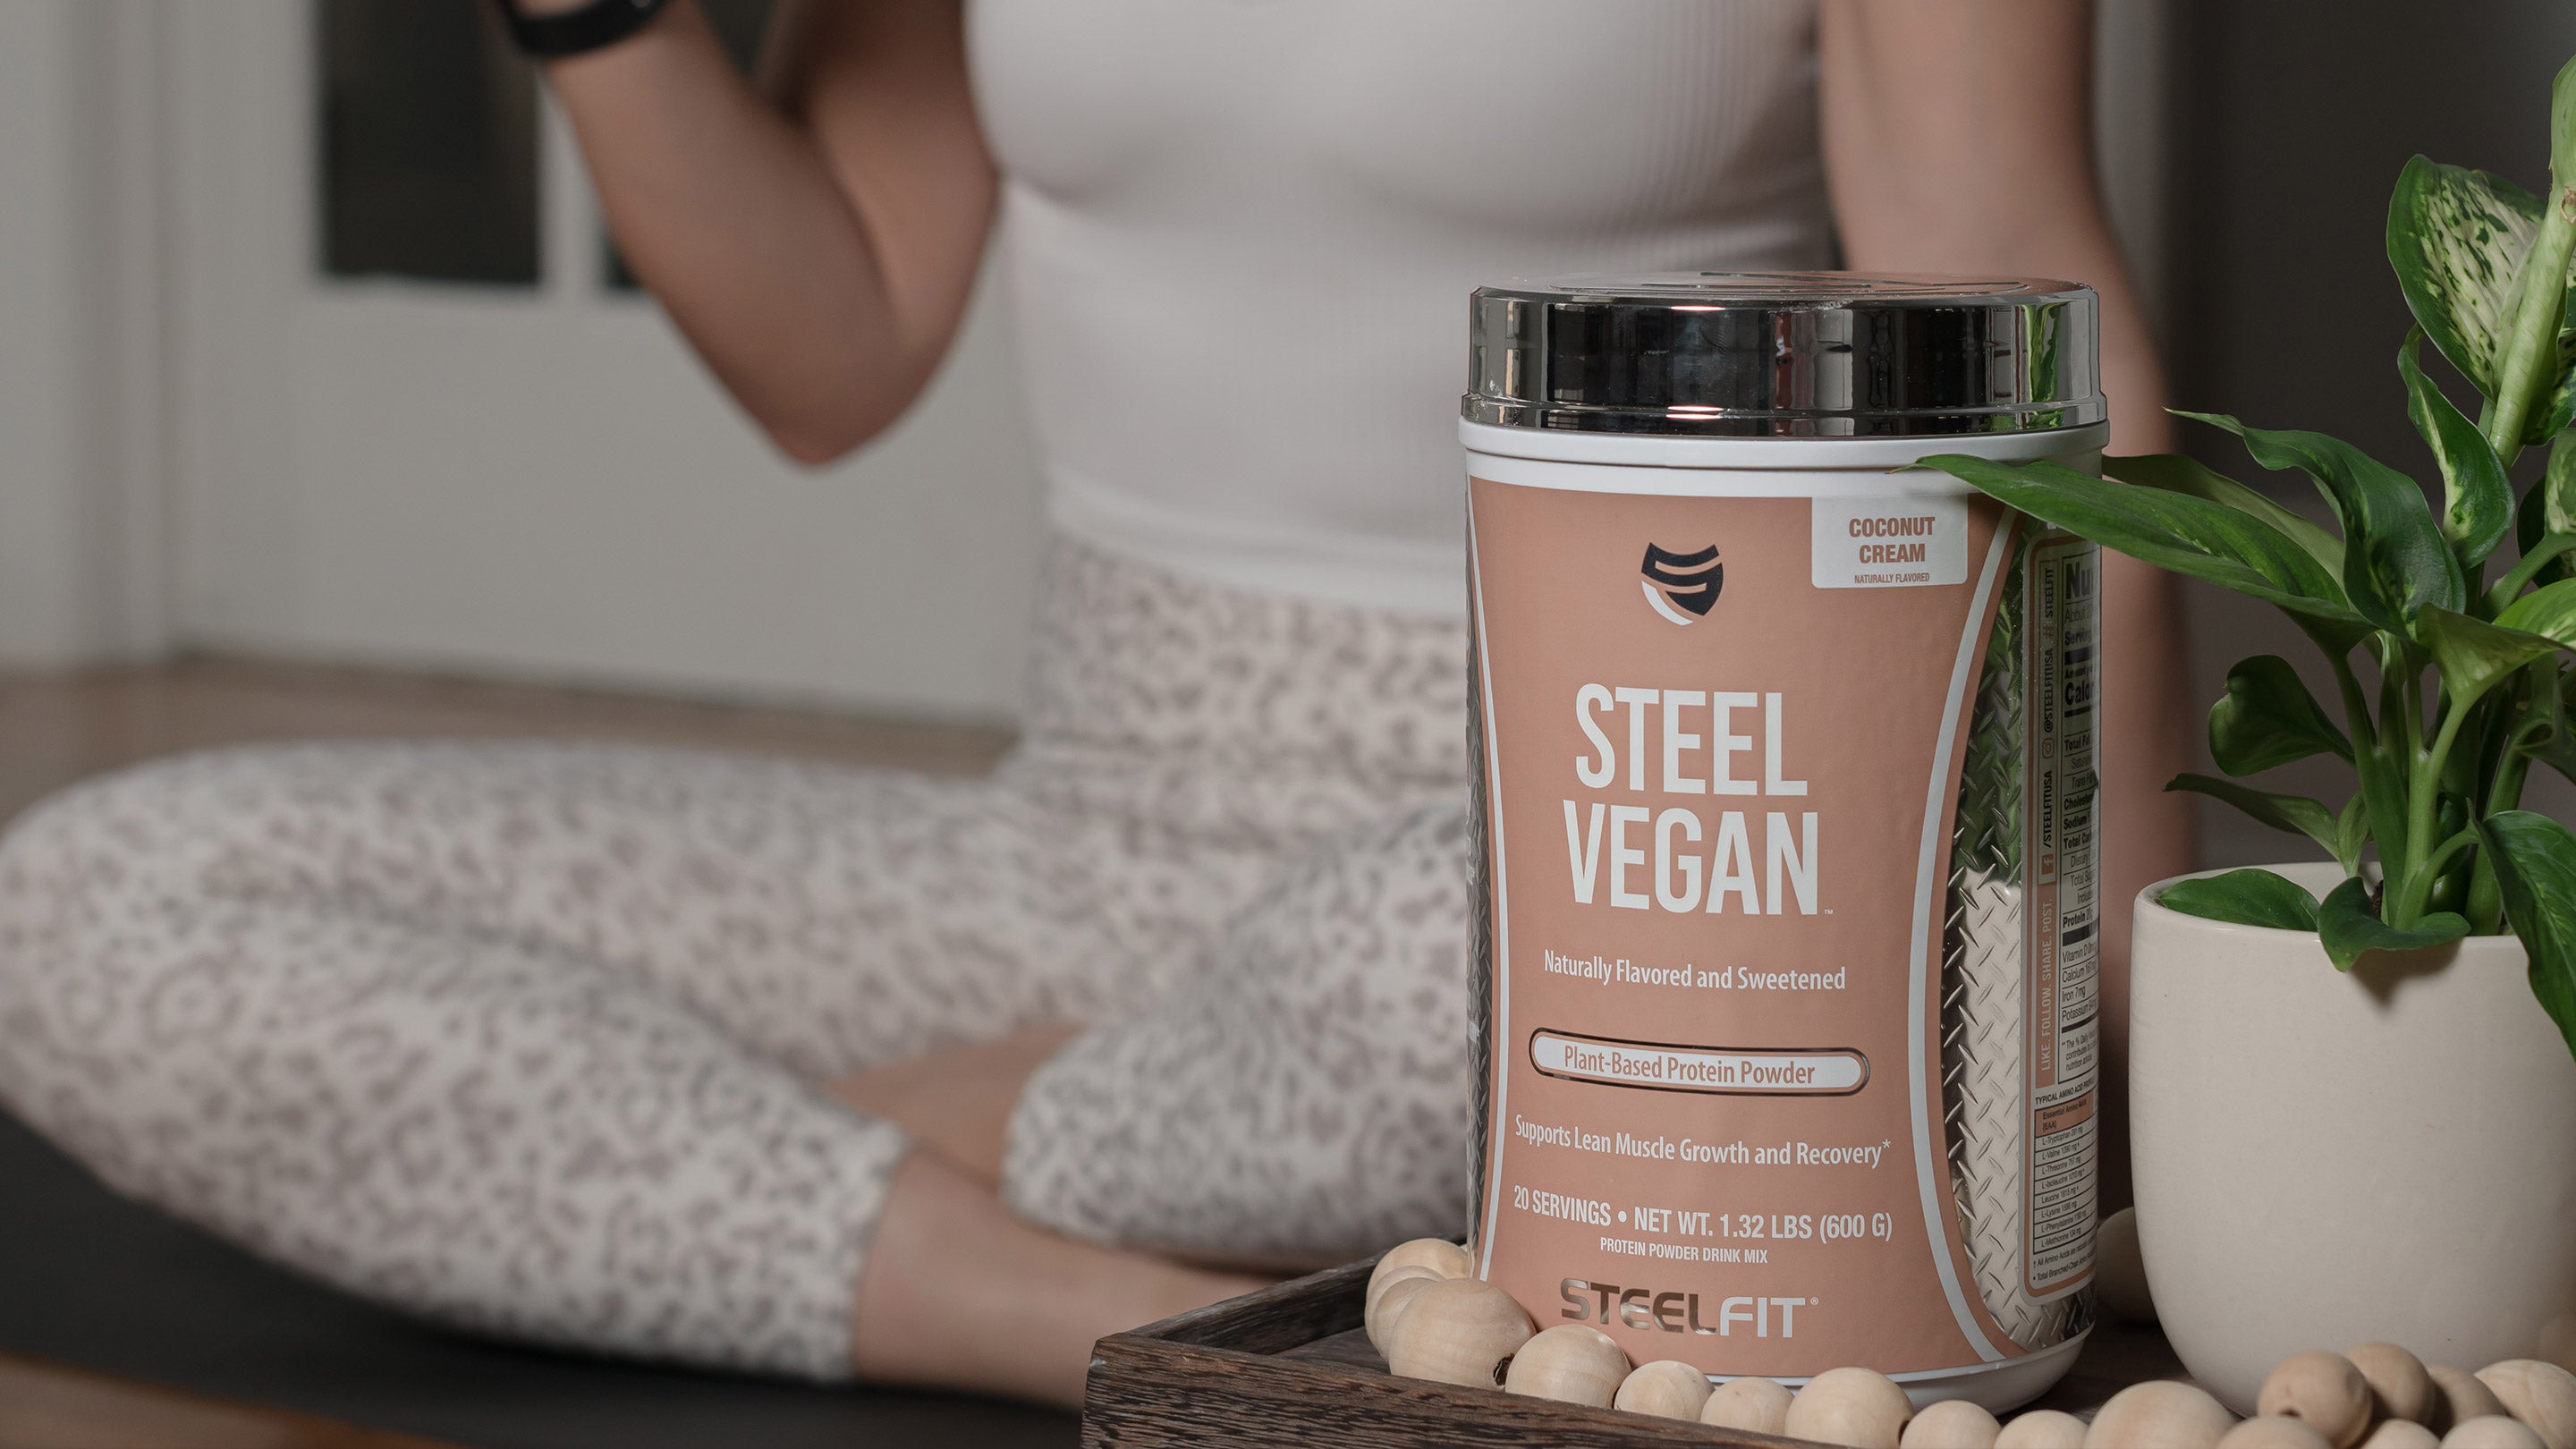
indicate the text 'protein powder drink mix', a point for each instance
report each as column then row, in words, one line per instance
column 1785, row 966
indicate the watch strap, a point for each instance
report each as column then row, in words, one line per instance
column 599, row 24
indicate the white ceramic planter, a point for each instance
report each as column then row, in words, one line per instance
column 2323, row 1159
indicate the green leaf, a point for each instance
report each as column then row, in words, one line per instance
column 2172, row 531
column 2559, row 408
column 2532, row 358
column 2395, row 558
column 2549, row 612
column 2547, row 517
column 2472, row 655
column 2176, row 473
column 2449, row 890
column 2535, row 866
column 2245, row 898
column 2456, row 239
column 2296, row 814
column 2477, row 499
column 2352, row 832
column 2532, row 380
column 2542, row 734
column 2554, row 743
column 2348, row 926
column 2562, row 124
column 2557, row 490
column 2267, row 719
column 2533, row 567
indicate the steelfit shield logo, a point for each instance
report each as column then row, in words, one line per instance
column 1682, row 586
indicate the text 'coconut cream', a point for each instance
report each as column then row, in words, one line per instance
column 1785, row 966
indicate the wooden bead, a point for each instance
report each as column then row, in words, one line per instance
column 2401, row 1434
column 2325, row 1390
column 1388, row 1301
column 1951, row 1424
column 2400, row 1387
column 2042, row 1429
column 1856, row 1407
column 1666, row 1388
column 1760, row 1405
column 1381, row 1281
column 2462, row 1398
column 1457, row 1331
column 2120, row 1271
column 1572, row 1363
column 2541, row 1395
column 2274, row 1432
column 1438, row 1256
column 1431, row 1258
column 2491, row 1431
column 2160, row 1414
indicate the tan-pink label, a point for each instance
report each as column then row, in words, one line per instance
column 1722, row 750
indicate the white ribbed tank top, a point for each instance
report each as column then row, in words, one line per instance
column 1241, row 235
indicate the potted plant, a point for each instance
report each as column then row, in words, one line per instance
column 2351, row 1118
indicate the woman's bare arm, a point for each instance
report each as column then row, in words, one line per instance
column 817, row 244
column 1958, row 138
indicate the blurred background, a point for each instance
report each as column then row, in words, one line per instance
column 316, row 350
column 325, row 407
column 312, row 350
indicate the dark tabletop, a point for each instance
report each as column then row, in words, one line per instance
column 88, row 1278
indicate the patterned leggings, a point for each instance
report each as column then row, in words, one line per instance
column 527, row 1037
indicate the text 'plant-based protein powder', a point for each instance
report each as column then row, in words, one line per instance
column 1785, row 970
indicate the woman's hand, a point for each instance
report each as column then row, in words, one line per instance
column 817, row 247
column 1959, row 138
column 948, row 1261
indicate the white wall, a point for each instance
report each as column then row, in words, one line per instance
column 489, row 486
column 80, row 527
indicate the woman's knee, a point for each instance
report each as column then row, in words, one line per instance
column 1307, row 1093
column 147, row 831
column 111, row 910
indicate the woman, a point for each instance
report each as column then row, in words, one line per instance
column 829, row 1073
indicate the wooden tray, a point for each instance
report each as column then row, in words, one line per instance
column 1290, row 1366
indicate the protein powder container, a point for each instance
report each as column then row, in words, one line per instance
column 1785, row 968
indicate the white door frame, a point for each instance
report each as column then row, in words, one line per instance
column 83, row 531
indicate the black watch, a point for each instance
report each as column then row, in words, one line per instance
column 574, row 32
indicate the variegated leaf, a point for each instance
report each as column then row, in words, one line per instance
column 2556, row 411
column 2457, row 238
column 2552, row 415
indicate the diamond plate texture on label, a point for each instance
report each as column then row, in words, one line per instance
column 1984, row 1001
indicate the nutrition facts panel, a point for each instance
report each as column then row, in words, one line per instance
column 2064, row 954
